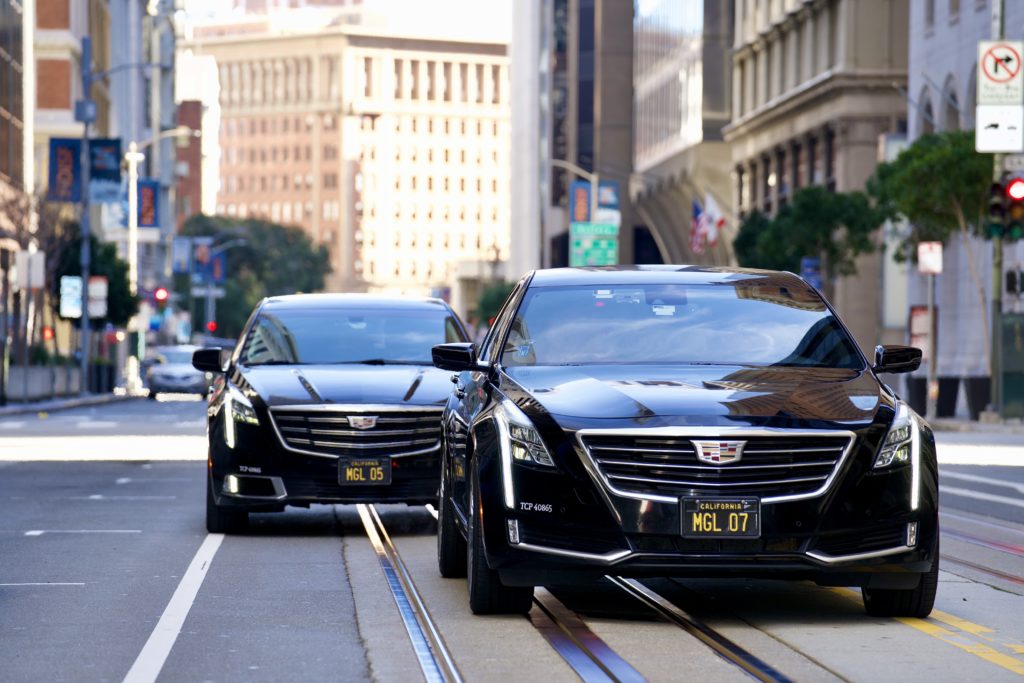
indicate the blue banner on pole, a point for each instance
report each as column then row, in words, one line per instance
column 65, row 178
column 579, row 202
column 218, row 268
column 810, row 270
column 149, row 193
column 105, row 170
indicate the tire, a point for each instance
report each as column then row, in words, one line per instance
column 220, row 520
column 487, row 594
column 451, row 546
column 910, row 602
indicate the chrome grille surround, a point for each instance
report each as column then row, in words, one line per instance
column 816, row 475
column 323, row 430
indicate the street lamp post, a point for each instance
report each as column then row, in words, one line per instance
column 134, row 157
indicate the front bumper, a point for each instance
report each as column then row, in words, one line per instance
column 260, row 474
column 863, row 529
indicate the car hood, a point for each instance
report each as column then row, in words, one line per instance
column 703, row 394
column 346, row 384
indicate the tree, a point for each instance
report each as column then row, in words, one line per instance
column 121, row 303
column 835, row 226
column 939, row 185
column 274, row 259
column 491, row 298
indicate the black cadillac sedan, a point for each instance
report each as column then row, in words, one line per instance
column 682, row 421
column 327, row 398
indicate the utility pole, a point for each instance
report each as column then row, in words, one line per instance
column 995, row 352
column 86, row 255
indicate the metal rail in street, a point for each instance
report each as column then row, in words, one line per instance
column 433, row 656
column 722, row 646
column 986, row 570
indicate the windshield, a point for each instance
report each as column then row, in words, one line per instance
column 323, row 336
column 177, row 356
column 718, row 324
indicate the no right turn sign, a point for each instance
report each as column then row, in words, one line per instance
column 1000, row 77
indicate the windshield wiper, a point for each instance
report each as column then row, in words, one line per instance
column 382, row 361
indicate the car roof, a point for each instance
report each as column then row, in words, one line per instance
column 664, row 274
column 353, row 300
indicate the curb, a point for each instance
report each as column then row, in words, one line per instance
column 62, row 404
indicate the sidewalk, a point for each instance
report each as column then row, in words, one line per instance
column 944, row 424
column 61, row 403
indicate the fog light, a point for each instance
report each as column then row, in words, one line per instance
column 911, row 534
column 513, row 531
column 231, row 483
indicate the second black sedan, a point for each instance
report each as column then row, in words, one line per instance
column 682, row 421
column 327, row 398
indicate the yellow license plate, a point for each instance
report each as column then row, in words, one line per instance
column 364, row 471
column 721, row 517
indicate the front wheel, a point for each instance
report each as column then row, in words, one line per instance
column 909, row 602
column 451, row 547
column 487, row 594
column 221, row 520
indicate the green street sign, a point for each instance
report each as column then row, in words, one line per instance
column 593, row 244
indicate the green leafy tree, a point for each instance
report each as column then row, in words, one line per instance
column 274, row 259
column 491, row 298
column 835, row 226
column 121, row 304
column 940, row 185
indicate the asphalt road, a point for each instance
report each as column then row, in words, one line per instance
column 102, row 543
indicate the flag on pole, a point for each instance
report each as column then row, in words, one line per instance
column 712, row 221
column 696, row 231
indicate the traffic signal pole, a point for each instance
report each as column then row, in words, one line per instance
column 995, row 352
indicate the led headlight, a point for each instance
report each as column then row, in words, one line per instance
column 237, row 408
column 525, row 444
column 897, row 449
column 518, row 440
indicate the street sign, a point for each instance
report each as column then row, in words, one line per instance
column 929, row 258
column 1013, row 162
column 98, row 288
column 31, row 267
column 85, row 111
column 181, row 255
column 999, row 128
column 71, row 296
column 593, row 244
column 1000, row 78
column 215, row 292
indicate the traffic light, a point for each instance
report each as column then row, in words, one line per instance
column 211, row 326
column 161, row 295
column 1015, row 211
column 997, row 202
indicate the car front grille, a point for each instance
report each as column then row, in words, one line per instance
column 327, row 431
column 772, row 466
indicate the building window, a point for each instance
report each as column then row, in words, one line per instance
column 929, row 13
column 954, row 9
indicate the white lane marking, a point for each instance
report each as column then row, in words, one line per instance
column 123, row 480
column 93, row 447
column 978, row 495
column 40, row 532
column 977, row 479
column 154, row 653
column 969, row 454
column 16, row 424
column 54, row 583
column 96, row 424
column 100, row 496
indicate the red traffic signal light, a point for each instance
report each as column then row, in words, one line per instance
column 211, row 326
column 161, row 294
column 1015, row 189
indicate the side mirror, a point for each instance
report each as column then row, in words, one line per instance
column 458, row 357
column 893, row 358
column 207, row 360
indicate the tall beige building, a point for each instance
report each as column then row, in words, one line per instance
column 391, row 150
column 815, row 85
